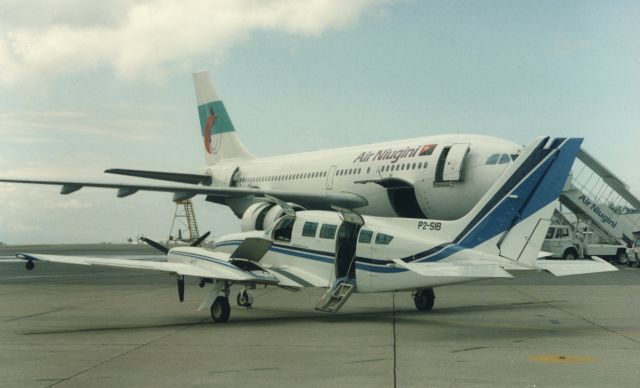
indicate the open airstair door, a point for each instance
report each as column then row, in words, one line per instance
column 345, row 262
column 450, row 162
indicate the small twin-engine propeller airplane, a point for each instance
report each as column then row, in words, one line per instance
column 346, row 252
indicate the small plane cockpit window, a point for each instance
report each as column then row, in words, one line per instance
column 309, row 229
column 328, row 231
column 365, row 236
column 383, row 239
column 493, row 159
column 504, row 158
column 282, row 232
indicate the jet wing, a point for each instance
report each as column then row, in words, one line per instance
column 310, row 200
column 218, row 269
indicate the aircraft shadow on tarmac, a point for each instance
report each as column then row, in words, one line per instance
column 284, row 317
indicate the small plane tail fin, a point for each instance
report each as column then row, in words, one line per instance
column 512, row 218
column 218, row 133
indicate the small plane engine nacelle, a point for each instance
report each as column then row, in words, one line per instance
column 261, row 215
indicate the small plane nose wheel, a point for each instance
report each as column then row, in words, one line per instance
column 220, row 309
column 424, row 299
column 244, row 298
column 29, row 265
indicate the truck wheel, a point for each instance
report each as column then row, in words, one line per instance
column 570, row 254
column 622, row 257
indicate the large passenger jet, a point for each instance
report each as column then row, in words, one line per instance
column 427, row 177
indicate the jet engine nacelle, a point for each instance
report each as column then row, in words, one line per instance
column 261, row 215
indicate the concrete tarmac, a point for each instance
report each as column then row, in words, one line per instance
column 72, row 326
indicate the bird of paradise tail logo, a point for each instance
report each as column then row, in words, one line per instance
column 212, row 147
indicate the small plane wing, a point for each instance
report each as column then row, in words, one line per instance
column 217, row 269
column 575, row 267
column 320, row 201
column 463, row 270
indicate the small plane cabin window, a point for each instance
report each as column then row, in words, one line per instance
column 282, row 232
column 309, row 229
column 383, row 239
column 365, row 236
column 493, row 159
column 504, row 158
column 328, row 231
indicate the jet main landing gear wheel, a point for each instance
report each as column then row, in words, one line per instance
column 424, row 299
column 244, row 298
column 220, row 309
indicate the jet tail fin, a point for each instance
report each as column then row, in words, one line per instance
column 218, row 133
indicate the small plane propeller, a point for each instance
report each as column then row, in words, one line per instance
column 165, row 250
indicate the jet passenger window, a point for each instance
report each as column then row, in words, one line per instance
column 309, row 229
column 328, row 231
column 365, row 236
column 282, row 232
column 383, row 239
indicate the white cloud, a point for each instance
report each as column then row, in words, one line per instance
column 152, row 36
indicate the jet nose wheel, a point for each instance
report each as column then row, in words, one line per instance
column 29, row 265
column 220, row 309
column 424, row 299
column 244, row 298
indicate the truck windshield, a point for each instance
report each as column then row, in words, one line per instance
column 636, row 243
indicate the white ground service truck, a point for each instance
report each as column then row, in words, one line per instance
column 634, row 251
column 563, row 243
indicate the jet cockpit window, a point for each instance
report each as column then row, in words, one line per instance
column 365, row 236
column 383, row 239
column 504, row 158
column 309, row 229
column 328, row 231
column 282, row 231
column 493, row 159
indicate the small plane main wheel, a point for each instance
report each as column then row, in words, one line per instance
column 220, row 309
column 424, row 299
column 29, row 265
column 244, row 298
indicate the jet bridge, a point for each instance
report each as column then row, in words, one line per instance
column 602, row 200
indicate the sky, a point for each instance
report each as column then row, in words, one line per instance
column 86, row 86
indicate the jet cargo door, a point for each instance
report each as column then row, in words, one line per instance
column 449, row 168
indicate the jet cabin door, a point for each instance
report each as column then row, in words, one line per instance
column 450, row 162
column 330, row 174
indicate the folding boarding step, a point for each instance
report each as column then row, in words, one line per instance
column 335, row 297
